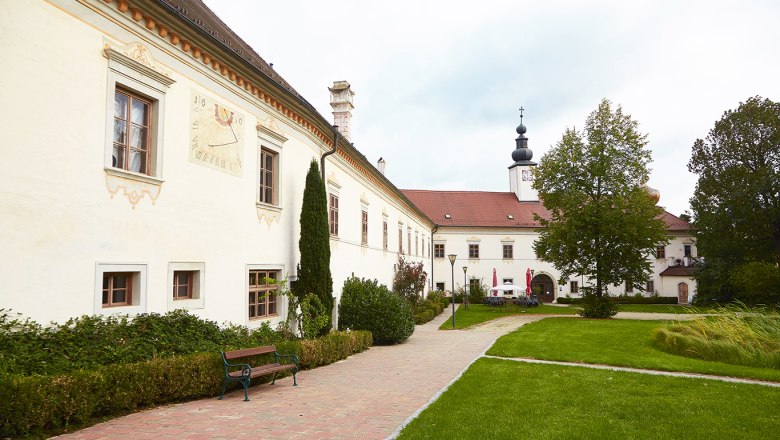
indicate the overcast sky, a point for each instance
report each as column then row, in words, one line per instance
column 438, row 83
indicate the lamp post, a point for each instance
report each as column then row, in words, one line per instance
column 452, row 264
column 465, row 294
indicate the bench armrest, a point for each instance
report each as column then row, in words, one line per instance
column 246, row 369
column 293, row 357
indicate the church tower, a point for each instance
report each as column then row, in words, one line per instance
column 520, row 176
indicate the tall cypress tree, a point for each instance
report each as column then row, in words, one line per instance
column 314, row 243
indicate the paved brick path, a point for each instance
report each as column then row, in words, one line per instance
column 366, row 396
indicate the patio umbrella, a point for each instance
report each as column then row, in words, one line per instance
column 495, row 282
column 528, row 282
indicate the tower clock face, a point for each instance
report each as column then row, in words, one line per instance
column 216, row 135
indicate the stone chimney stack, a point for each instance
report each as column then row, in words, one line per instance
column 341, row 96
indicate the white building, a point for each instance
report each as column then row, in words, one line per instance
column 154, row 161
column 496, row 230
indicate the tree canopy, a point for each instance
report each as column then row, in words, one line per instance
column 314, row 270
column 736, row 204
column 603, row 223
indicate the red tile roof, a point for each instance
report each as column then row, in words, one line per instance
column 679, row 271
column 476, row 208
column 492, row 209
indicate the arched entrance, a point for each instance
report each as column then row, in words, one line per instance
column 542, row 285
column 682, row 293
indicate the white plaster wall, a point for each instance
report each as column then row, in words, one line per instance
column 456, row 241
column 60, row 219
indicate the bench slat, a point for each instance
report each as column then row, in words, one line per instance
column 264, row 369
column 249, row 352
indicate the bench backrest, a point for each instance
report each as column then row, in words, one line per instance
column 249, row 352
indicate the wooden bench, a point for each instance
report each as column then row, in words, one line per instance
column 247, row 372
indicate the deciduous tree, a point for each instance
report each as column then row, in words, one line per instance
column 736, row 204
column 603, row 224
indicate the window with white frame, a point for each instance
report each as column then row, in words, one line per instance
column 508, row 251
column 334, row 214
column 120, row 288
column 384, row 234
column 364, row 227
column 262, row 289
column 134, row 123
column 268, row 185
column 186, row 281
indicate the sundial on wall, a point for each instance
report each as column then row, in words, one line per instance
column 216, row 135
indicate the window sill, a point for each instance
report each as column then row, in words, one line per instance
column 133, row 176
column 268, row 206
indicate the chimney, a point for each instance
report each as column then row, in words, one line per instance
column 380, row 165
column 341, row 100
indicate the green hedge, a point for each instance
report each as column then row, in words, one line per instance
column 52, row 403
column 636, row 299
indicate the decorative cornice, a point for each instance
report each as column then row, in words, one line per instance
column 270, row 128
column 219, row 66
column 137, row 57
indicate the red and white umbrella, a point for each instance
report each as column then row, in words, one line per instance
column 528, row 282
column 495, row 282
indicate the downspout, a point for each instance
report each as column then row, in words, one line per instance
column 433, row 231
column 328, row 153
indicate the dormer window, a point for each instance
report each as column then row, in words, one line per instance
column 510, row 216
column 447, row 216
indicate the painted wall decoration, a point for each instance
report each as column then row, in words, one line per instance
column 216, row 135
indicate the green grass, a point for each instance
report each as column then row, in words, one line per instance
column 479, row 313
column 497, row 399
column 625, row 343
column 659, row 308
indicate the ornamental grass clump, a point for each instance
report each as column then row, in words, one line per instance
column 737, row 335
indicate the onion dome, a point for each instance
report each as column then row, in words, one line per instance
column 653, row 193
column 522, row 154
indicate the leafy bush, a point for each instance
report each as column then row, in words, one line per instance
column 756, row 283
column 367, row 305
column 92, row 341
column 424, row 316
column 738, row 335
column 627, row 300
column 598, row 307
column 409, row 280
column 51, row 403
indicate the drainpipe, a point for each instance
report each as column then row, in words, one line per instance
column 433, row 231
column 328, row 153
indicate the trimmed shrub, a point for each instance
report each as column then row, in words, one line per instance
column 89, row 342
column 598, row 307
column 51, row 403
column 627, row 300
column 424, row 316
column 367, row 305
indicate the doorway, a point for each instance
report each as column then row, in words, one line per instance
column 682, row 293
column 542, row 285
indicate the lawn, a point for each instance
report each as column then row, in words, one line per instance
column 659, row 308
column 626, row 343
column 497, row 399
column 479, row 313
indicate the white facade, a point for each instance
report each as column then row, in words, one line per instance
column 69, row 215
column 491, row 256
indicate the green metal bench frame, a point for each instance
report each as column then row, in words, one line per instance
column 248, row 372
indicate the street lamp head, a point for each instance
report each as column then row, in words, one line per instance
column 465, row 268
column 452, row 258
